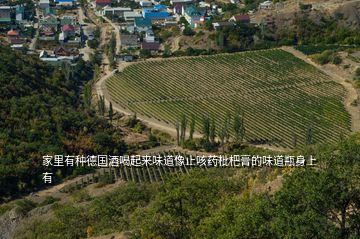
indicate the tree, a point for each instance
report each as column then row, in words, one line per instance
column 222, row 135
column 188, row 31
column 192, row 127
column 111, row 112
column 206, row 129
column 183, row 125
column 101, row 105
column 177, row 127
column 212, row 134
column 239, row 126
column 309, row 136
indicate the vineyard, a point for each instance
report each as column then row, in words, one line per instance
column 145, row 174
column 281, row 96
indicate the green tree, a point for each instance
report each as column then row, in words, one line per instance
column 111, row 112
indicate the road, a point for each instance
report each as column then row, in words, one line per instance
column 32, row 45
column 117, row 34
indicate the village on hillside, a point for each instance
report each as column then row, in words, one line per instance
column 67, row 30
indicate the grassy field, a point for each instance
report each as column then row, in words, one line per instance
column 281, row 96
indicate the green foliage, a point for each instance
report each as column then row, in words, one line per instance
column 139, row 127
column 23, row 206
column 41, row 114
column 106, row 179
column 188, row 31
column 320, row 202
column 81, row 196
column 48, row 200
column 145, row 53
column 327, row 57
column 94, row 43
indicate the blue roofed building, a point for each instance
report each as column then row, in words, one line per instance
column 157, row 12
column 19, row 11
column 194, row 15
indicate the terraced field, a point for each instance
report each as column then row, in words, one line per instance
column 280, row 95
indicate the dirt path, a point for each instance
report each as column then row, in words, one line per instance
column 341, row 79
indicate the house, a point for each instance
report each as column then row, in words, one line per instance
column 220, row 25
column 49, row 11
column 157, row 12
column 5, row 14
column 19, row 13
column 55, row 60
column 142, row 24
column 145, row 3
column 14, row 37
column 131, row 16
column 68, row 30
column 244, row 19
column 177, row 8
column 128, row 41
column 115, row 11
column 62, row 51
column 44, row 4
column 64, row 3
column 235, row 1
column 149, row 36
column 265, row 5
column 49, row 21
column 194, row 15
column 181, row 1
column 68, row 20
column 152, row 46
column 126, row 58
column 102, row 3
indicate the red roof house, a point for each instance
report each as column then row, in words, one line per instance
column 68, row 28
column 240, row 18
column 102, row 3
column 153, row 46
column 12, row 33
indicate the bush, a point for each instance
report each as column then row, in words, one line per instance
column 48, row 200
column 357, row 72
column 81, row 196
column 337, row 60
column 24, row 206
column 188, row 31
column 105, row 179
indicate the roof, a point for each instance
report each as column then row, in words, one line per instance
column 159, row 7
column 48, row 10
column 223, row 24
column 5, row 8
column 240, row 18
column 64, row 0
column 68, row 27
column 193, row 11
column 142, row 22
column 103, row 1
column 178, row 5
column 20, row 9
column 49, row 21
column 65, row 21
column 108, row 8
column 132, row 15
column 150, row 45
column 127, row 39
column 12, row 33
column 154, row 14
